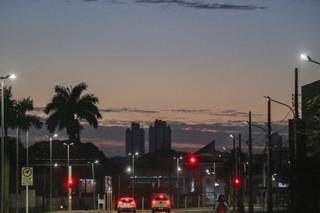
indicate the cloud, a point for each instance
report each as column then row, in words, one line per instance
column 195, row 111
column 202, row 5
column 185, row 136
column 233, row 113
column 132, row 110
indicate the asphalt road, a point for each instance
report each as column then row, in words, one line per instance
column 204, row 210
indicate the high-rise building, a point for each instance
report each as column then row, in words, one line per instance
column 159, row 136
column 135, row 139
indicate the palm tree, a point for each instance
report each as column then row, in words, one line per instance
column 69, row 108
column 24, row 120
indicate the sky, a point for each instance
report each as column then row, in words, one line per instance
column 200, row 65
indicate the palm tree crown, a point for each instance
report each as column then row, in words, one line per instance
column 24, row 120
column 17, row 113
column 69, row 108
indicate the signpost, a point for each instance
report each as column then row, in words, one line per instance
column 108, row 190
column 27, row 180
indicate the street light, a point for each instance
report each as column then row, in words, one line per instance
column 133, row 169
column 3, row 78
column 128, row 170
column 308, row 58
column 94, row 182
column 234, row 168
column 178, row 170
column 295, row 117
column 69, row 175
column 50, row 167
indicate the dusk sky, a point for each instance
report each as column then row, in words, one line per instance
column 200, row 65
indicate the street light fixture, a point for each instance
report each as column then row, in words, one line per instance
column 94, row 182
column 50, row 167
column 178, row 170
column 3, row 78
column 295, row 117
column 128, row 170
column 133, row 155
column 308, row 58
column 69, row 175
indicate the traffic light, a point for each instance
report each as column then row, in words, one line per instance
column 236, row 181
column 192, row 161
column 70, row 182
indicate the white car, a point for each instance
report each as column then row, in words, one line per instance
column 161, row 202
column 126, row 204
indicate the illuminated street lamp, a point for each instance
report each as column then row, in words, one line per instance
column 133, row 155
column 128, row 170
column 178, row 170
column 308, row 58
column 3, row 78
column 94, row 185
column 50, row 166
column 69, row 175
column 269, row 171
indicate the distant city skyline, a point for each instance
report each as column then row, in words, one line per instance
column 199, row 66
column 160, row 137
column 135, row 138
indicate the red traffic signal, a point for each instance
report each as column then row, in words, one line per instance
column 70, row 182
column 192, row 160
column 236, row 181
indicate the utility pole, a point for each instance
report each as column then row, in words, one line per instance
column 250, row 168
column 240, row 190
column 269, row 161
column 296, row 93
column 234, row 171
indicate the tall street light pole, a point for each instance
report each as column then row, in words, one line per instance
column 250, row 168
column 94, row 182
column 50, row 166
column 240, row 191
column 133, row 169
column 178, row 169
column 294, row 123
column 3, row 78
column 69, row 176
column 234, row 170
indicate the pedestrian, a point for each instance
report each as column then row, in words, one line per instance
column 221, row 206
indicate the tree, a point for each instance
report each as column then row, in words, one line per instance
column 69, row 108
column 24, row 120
column 17, row 113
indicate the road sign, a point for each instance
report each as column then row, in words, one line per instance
column 27, row 176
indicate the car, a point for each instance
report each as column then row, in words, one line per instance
column 161, row 202
column 126, row 204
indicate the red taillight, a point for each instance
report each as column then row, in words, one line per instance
column 133, row 202
column 120, row 202
column 153, row 201
column 168, row 202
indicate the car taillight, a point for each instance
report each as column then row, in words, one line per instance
column 168, row 202
column 120, row 202
column 133, row 202
column 153, row 201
